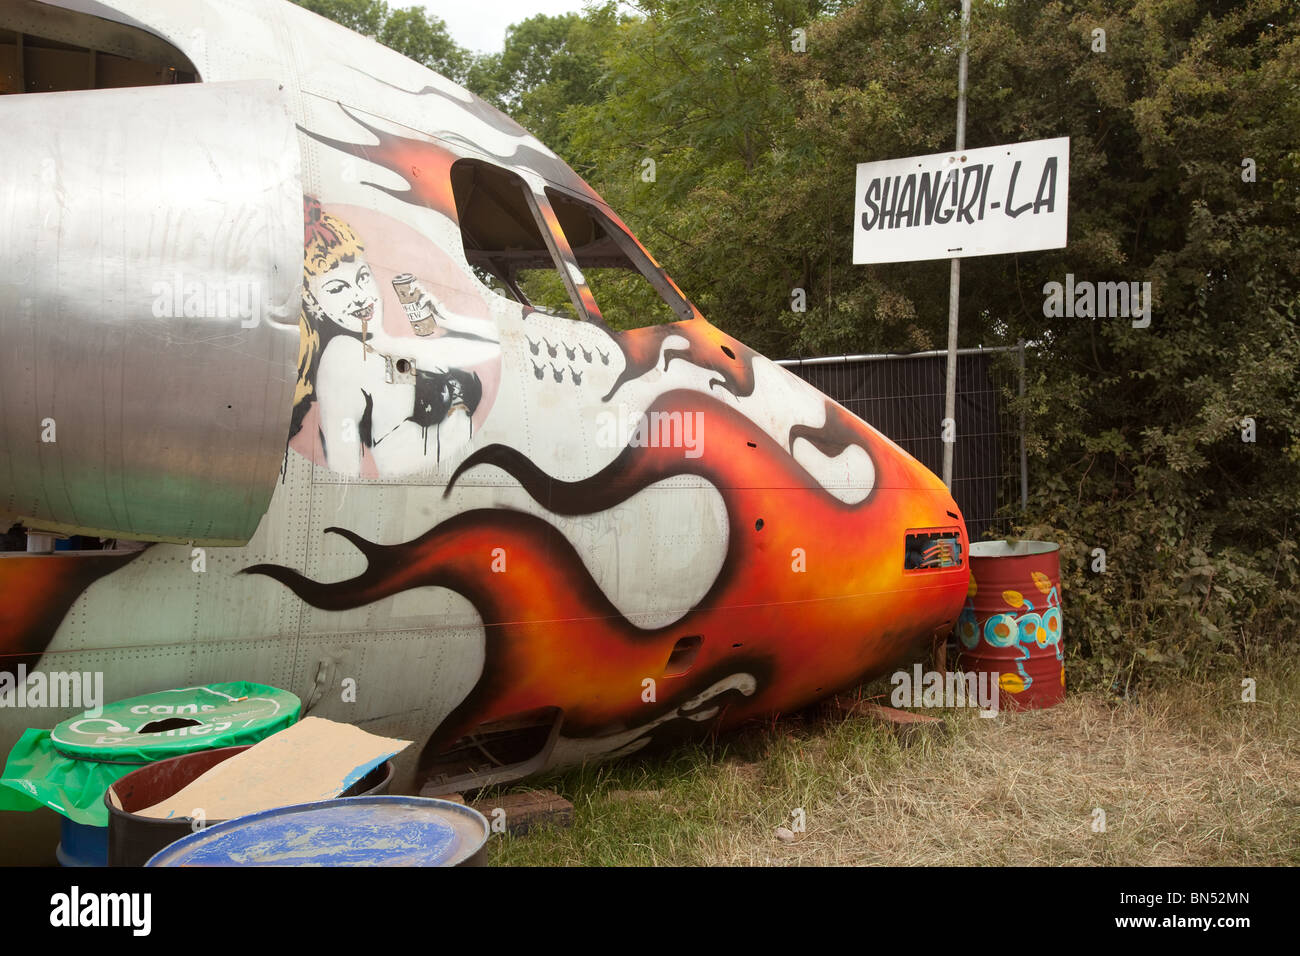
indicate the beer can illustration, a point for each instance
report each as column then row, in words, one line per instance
column 410, row 293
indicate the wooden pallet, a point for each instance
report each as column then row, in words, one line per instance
column 519, row 812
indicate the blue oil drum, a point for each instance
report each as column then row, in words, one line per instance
column 81, row 844
column 350, row 831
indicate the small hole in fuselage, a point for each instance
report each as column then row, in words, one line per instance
column 758, row 525
column 728, row 353
column 751, row 444
column 403, row 366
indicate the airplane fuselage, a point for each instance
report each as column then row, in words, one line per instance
column 404, row 467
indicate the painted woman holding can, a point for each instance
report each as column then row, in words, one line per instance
column 377, row 395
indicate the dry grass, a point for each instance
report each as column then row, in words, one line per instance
column 1186, row 776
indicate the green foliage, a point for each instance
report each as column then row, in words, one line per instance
column 546, row 291
column 362, row 16
column 549, row 64
column 415, row 33
column 1141, row 447
column 411, row 31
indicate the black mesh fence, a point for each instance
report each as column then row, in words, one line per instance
column 902, row 396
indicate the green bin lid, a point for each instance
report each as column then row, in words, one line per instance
column 214, row 715
column 69, row 768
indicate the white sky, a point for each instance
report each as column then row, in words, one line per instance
column 480, row 25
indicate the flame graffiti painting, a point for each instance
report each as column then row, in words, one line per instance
column 800, row 614
column 38, row 590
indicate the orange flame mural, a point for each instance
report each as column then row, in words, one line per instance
column 425, row 166
column 850, row 613
column 707, row 347
column 38, row 590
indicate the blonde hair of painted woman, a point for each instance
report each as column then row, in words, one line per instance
column 327, row 242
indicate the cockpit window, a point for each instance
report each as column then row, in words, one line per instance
column 629, row 290
column 511, row 251
column 503, row 243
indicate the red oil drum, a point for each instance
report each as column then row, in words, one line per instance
column 1011, row 624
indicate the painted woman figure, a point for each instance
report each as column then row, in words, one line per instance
column 374, row 390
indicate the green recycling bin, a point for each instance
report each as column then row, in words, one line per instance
column 69, row 768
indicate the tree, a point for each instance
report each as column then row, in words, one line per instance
column 361, row 16
column 692, row 142
column 549, row 64
column 411, row 31
column 415, row 33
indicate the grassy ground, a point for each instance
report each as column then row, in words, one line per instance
column 1185, row 776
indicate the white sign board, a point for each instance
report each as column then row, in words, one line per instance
column 973, row 203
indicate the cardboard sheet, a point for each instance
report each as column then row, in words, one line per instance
column 315, row 759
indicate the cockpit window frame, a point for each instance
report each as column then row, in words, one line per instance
column 650, row 270
column 538, row 194
column 576, row 284
column 547, row 228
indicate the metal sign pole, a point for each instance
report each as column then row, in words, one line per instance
column 954, row 280
column 1024, row 459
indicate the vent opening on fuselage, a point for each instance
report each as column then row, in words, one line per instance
column 494, row 752
column 168, row 723
column 683, row 655
column 932, row 550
